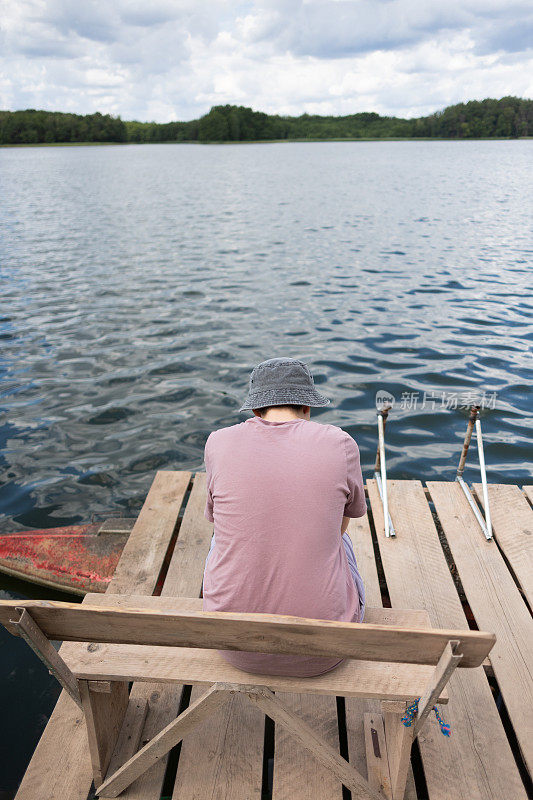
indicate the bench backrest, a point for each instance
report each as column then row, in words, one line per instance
column 265, row 633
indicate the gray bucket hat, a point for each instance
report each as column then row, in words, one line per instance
column 282, row 381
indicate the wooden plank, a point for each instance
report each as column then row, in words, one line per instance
column 164, row 700
column 360, row 534
column 496, row 603
column 159, row 746
column 476, row 761
column 311, row 740
column 60, row 766
column 129, row 736
column 512, row 522
column 376, row 754
column 254, row 632
column 224, row 756
column 399, row 740
column 143, row 555
column 448, row 662
column 104, row 715
column 402, row 617
column 352, row 678
column 297, row 773
column 25, row 626
column 213, row 759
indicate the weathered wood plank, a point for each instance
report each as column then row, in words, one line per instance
column 129, row 736
column 309, row 738
column 224, row 756
column 159, row 746
column 512, row 522
column 377, row 763
column 448, row 662
column 360, row 534
column 104, row 715
column 297, row 774
column 403, row 617
column 352, row 678
column 238, row 631
column 60, row 767
column 164, row 700
column 476, row 762
column 496, row 604
column 399, row 740
column 25, row 626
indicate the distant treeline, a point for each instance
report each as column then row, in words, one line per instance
column 510, row 117
column 38, row 127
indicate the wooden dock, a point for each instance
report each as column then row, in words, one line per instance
column 439, row 561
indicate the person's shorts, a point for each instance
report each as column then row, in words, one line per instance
column 352, row 563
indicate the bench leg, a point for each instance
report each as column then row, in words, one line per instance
column 399, row 739
column 104, row 713
column 377, row 762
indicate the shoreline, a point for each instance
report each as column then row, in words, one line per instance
column 280, row 141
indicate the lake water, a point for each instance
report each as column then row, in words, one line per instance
column 141, row 284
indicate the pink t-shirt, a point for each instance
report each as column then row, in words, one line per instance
column 277, row 492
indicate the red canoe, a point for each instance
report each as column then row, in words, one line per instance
column 76, row 558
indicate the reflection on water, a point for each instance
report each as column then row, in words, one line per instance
column 141, row 284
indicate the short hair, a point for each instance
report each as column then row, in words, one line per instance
column 294, row 407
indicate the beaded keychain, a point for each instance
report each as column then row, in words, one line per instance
column 411, row 712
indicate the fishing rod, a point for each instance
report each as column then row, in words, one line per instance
column 475, row 422
column 380, row 470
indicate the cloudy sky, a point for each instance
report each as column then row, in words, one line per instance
column 173, row 59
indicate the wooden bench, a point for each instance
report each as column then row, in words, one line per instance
column 172, row 640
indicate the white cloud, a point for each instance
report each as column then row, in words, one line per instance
column 173, row 59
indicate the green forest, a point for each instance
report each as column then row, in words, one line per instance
column 510, row 117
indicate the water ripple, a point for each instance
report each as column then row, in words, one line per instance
column 141, row 284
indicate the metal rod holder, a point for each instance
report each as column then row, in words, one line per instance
column 488, row 524
column 381, row 479
column 474, row 422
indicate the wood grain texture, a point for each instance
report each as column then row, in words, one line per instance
column 476, row 762
column 297, row 773
column 104, row 715
column 376, row 754
column 352, row 678
column 309, row 738
column 512, row 523
column 164, row 700
column 158, row 747
column 497, row 605
column 359, row 532
column 129, row 736
column 403, row 617
column 209, row 758
column 26, row 627
column 223, row 757
column 399, row 740
column 444, row 669
column 255, row 632
column 60, row 767
column 147, row 545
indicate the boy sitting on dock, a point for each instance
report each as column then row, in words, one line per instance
column 280, row 492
